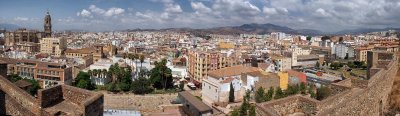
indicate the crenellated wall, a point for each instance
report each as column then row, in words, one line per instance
column 358, row 97
column 57, row 100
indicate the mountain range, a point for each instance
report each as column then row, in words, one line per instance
column 252, row 28
column 267, row 28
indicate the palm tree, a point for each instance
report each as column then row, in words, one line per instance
column 131, row 57
column 136, row 56
column 104, row 72
column 90, row 73
column 141, row 57
column 96, row 72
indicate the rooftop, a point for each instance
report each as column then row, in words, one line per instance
column 199, row 105
column 231, row 71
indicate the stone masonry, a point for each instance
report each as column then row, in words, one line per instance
column 57, row 100
column 349, row 97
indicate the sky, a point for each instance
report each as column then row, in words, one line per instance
column 107, row 15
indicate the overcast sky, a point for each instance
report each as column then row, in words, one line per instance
column 100, row 15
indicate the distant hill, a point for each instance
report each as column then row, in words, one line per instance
column 364, row 30
column 254, row 28
column 9, row 26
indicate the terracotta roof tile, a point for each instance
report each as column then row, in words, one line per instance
column 231, row 71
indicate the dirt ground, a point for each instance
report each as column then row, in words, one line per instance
column 142, row 103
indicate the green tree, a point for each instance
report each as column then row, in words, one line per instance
column 351, row 64
column 245, row 104
column 252, row 111
column 317, row 64
column 235, row 112
column 311, row 92
column 14, row 77
column 308, row 38
column 335, row 65
column 231, row 93
column 279, row 93
column 35, row 86
column 291, row 90
column 302, row 88
column 141, row 86
column 260, row 95
column 112, row 87
column 160, row 76
column 323, row 92
column 324, row 38
column 141, row 58
column 270, row 94
column 83, row 81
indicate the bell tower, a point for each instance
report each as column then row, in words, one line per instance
column 47, row 25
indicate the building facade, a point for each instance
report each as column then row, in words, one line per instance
column 53, row 46
column 200, row 63
column 33, row 36
column 22, row 36
column 215, row 88
column 48, row 74
column 361, row 52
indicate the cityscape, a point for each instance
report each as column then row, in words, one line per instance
column 199, row 58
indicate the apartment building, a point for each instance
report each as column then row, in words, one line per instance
column 215, row 88
column 79, row 53
column 298, row 51
column 53, row 46
column 342, row 51
column 48, row 74
column 200, row 63
column 387, row 48
column 281, row 63
column 361, row 52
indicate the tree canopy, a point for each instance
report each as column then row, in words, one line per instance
column 160, row 76
column 83, row 81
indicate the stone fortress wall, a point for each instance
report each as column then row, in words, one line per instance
column 57, row 100
column 349, row 97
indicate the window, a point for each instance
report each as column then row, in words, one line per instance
column 209, row 87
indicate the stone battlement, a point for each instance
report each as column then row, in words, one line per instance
column 57, row 100
column 349, row 97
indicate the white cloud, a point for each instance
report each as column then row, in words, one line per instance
column 173, row 8
column 94, row 10
column 327, row 15
column 322, row 12
column 21, row 19
column 200, row 7
column 114, row 11
column 97, row 10
column 270, row 11
column 84, row 13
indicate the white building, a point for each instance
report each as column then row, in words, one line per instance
column 216, row 87
column 342, row 50
column 100, row 79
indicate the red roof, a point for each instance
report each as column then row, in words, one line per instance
column 299, row 75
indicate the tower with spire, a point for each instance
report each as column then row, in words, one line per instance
column 47, row 24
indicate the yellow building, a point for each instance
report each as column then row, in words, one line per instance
column 361, row 52
column 79, row 53
column 283, row 80
column 53, row 46
column 200, row 63
column 226, row 45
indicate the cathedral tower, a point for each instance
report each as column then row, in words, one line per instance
column 47, row 25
